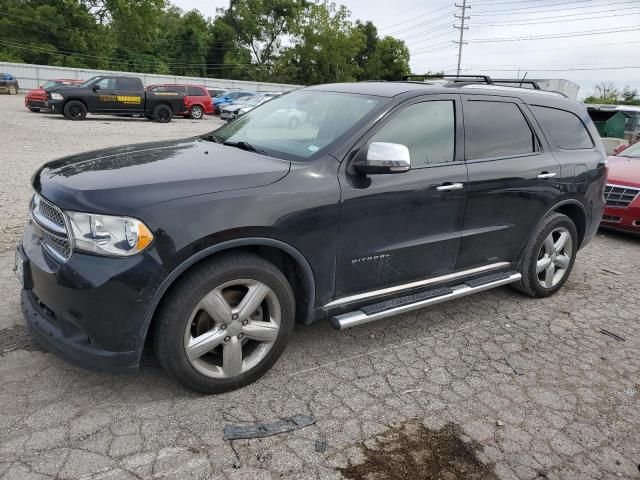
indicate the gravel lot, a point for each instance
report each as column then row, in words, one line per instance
column 492, row 386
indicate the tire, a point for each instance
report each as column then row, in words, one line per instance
column 13, row 90
column 75, row 110
column 196, row 112
column 162, row 114
column 34, row 109
column 294, row 122
column 182, row 318
column 543, row 253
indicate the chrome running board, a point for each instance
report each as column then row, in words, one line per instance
column 396, row 306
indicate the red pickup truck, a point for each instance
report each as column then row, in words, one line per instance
column 36, row 99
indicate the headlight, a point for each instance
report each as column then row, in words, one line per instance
column 107, row 235
column 56, row 96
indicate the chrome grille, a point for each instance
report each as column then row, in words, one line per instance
column 52, row 228
column 619, row 196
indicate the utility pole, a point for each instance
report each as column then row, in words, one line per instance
column 462, row 28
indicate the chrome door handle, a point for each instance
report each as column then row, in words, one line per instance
column 547, row 175
column 447, row 187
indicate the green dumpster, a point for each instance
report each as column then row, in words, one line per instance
column 610, row 123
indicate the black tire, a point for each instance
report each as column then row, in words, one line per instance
column 196, row 112
column 530, row 284
column 34, row 109
column 175, row 313
column 12, row 90
column 75, row 110
column 162, row 114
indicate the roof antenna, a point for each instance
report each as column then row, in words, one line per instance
column 522, row 81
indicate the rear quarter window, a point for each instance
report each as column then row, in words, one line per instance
column 564, row 129
column 195, row 92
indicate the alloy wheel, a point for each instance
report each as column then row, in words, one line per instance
column 196, row 112
column 232, row 328
column 554, row 257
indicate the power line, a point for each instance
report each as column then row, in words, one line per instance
column 581, row 47
column 552, row 36
column 462, row 28
column 419, row 25
column 415, row 18
column 580, row 69
column 545, row 10
column 534, row 21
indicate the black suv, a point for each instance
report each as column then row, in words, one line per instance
column 384, row 198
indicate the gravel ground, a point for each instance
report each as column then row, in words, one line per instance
column 492, row 386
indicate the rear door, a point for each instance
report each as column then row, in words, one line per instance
column 399, row 228
column 129, row 95
column 513, row 179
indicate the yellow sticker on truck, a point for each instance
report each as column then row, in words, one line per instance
column 126, row 99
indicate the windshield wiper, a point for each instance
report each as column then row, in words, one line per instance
column 211, row 137
column 245, row 146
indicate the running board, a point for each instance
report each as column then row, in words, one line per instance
column 389, row 308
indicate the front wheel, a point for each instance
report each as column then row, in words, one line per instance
column 75, row 110
column 549, row 257
column 225, row 324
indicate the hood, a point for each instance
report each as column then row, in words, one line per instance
column 118, row 180
column 624, row 171
column 73, row 89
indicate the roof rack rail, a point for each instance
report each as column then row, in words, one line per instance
column 478, row 79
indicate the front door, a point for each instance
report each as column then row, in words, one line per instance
column 104, row 98
column 513, row 179
column 399, row 228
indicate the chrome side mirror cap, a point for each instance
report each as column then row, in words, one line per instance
column 383, row 157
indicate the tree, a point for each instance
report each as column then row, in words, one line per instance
column 326, row 44
column 390, row 61
column 370, row 33
column 607, row 93
column 261, row 24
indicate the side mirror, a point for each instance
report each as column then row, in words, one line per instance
column 382, row 157
column 96, row 88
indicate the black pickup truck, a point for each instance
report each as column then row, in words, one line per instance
column 115, row 95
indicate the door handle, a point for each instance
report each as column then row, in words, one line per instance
column 447, row 187
column 547, row 175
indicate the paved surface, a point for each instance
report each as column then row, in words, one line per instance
column 533, row 384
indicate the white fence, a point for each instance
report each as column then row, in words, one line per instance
column 32, row 76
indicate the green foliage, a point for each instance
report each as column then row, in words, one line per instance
column 291, row 41
column 607, row 93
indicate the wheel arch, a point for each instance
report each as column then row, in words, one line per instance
column 71, row 99
column 576, row 212
column 287, row 258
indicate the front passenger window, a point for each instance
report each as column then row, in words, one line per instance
column 427, row 129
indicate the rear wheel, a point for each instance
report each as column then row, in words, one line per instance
column 549, row 257
column 75, row 110
column 196, row 112
column 13, row 90
column 162, row 114
column 225, row 324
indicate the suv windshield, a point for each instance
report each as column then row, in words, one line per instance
column 632, row 151
column 299, row 124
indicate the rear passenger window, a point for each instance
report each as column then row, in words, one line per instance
column 564, row 129
column 497, row 129
column 427, row 129
column 195, row 92
column 127, row 84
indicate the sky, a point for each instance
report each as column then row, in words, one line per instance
column 504, row 36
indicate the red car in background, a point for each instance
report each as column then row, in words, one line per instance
column 622, row 210
column 35, row 99
column 197, row 101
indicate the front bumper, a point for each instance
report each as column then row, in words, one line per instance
column 90, row 310
column 625, row 219
column 54, row 105
column 35, row 103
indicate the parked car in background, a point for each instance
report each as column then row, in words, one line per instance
column 36, row 99
column 622, row 199
column 242, row 106
column 114, row 95
column 197, row 101
column 8, row 84
column 214, row 92
column 229, row 96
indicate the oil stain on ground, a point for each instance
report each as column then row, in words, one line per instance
column 412, row 451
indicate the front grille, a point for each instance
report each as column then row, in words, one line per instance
column 52, row 228
column 619, row 196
